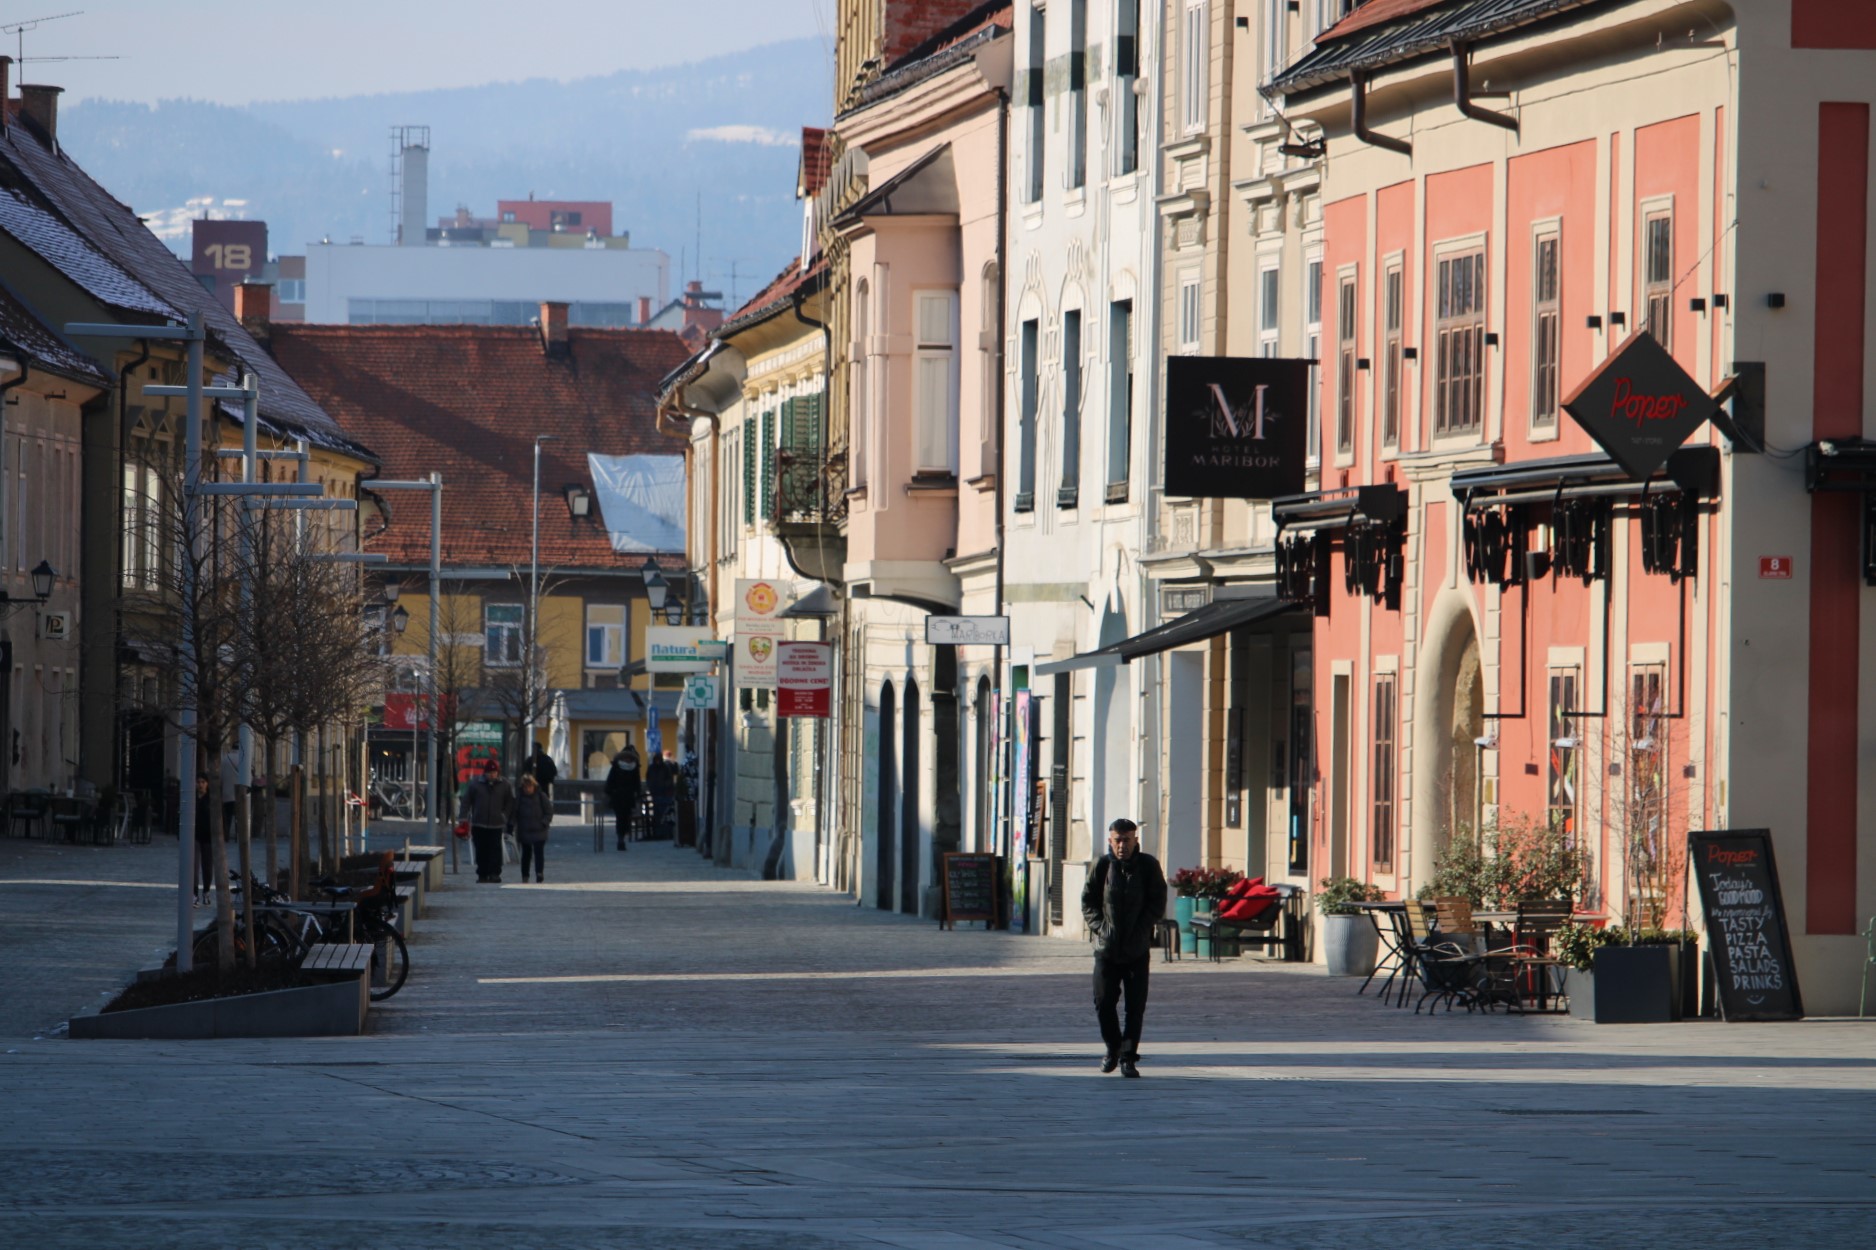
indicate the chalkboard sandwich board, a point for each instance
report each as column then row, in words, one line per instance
column 970, row 888
column 1746, row 924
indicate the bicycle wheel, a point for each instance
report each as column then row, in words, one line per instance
column 387, row 944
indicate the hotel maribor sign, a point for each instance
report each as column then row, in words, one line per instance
column 1640, row 406
column 1236, row 426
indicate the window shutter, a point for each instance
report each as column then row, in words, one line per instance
column 788, row 423
column 808, row 424
column 768, row 463
column 749, row 473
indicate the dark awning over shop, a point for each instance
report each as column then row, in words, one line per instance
column 1695, row 470
column 1217, row 617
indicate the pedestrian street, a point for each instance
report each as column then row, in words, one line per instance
column 649, row 1051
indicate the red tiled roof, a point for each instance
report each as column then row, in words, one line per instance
column 467, row 401
column 784, row 284
column 817, row 161
column 1374, row 13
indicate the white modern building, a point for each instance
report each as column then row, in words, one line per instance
column 359, row 284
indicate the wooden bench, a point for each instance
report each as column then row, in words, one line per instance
column 406, row 909
column 338, row 961
column 429, row 858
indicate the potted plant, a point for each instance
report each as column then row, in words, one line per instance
column 1577, row 944
column 1197, row 892
column 1348, row 936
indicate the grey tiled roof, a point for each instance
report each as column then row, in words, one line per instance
column 52, row 239
column 44, row 347
column 113, row 229
column 1422, row 32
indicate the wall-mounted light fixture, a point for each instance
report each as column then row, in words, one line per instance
column 1410, row 353
column 1719, row 299
column 1594, row 322
column 1618, row 320
column 1775, row 300
column 1491, row 339
column 42, row 576
column 1696, row 304
column 1361, row 362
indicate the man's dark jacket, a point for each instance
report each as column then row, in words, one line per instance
column 1120, row 902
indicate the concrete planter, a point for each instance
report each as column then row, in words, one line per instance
column 1637, row 984
column 1348, row 945
column 335, row 1009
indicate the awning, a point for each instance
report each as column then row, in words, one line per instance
column 1335, row 509
column 1218, row 617
column 1695, row 470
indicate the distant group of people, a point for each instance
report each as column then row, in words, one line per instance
column 627, row 787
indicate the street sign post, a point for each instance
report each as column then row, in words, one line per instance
column 968, row 631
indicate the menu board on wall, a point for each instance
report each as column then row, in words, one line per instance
column 1746, row 927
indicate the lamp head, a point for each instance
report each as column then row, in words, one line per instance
column 391, row 589
column 399, row 619
column 43, row 574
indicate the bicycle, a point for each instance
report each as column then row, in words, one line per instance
column 287, row 930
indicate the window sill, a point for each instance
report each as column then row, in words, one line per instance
column 983, row 482
column 1117, row 492
column 932, row 484
column 1025, row 501
column 1068, row 498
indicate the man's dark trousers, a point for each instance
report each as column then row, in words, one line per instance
column 1111, row 978
column 488, row 844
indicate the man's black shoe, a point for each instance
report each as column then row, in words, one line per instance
column 1109, row 1063
column 1127, row 1068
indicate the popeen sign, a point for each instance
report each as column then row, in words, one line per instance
column 1640, row 406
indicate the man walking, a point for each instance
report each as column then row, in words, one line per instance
column 622, row 790
column 542, row 768
column 487, row 804
column 1124, row 897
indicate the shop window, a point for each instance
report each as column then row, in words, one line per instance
column 1564, row 746
column 1382, row 777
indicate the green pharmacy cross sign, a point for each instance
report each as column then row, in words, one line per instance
column 1640, row 406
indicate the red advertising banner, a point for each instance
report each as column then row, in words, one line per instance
column 804, row 678
column 405, row 712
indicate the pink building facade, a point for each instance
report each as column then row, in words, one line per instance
column 1507, row 627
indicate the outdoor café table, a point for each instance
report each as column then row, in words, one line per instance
column 1390, row 923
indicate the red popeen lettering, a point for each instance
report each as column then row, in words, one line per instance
column 1628, row 406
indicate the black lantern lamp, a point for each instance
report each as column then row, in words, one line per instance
column 400, row 618
column 657, row 589
column 42, row 577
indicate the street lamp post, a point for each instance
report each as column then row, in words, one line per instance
column 434, row 484
column 528, row 692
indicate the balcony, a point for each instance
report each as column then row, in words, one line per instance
column 811, row 513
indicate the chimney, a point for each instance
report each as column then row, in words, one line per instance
column 554, row 327
column 6, row 92
column 42, row 105
column 253, row 303
column 644, row 309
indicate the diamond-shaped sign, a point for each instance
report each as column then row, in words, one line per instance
column 1640, row 405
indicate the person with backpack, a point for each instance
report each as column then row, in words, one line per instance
column 542, row 768
column 1125, row 896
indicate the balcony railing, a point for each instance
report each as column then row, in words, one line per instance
column 810, row 491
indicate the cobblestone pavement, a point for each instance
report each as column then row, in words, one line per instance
column 647, row 1051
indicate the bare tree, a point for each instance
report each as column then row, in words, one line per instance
column 520, row 684
column 1644, row 805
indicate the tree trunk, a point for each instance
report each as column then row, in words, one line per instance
column 245, row 833
column 296, row 832
column 325, row 827
column 267, row 813
column 218, row 856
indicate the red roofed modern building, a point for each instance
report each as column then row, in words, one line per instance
column 477, row 404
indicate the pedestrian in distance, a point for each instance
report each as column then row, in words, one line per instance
column 661, row 784
column 542, row 768
column 622, row 781
column 488, row 805
column 1125, row 896
column 534, row 812
column 204, row 843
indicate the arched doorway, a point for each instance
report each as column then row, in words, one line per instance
column 908, row 798
column 1449, row 716
column 884, row 838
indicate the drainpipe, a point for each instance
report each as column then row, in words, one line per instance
column 1003, row 286
column 1358, row 119
column 1462, row 90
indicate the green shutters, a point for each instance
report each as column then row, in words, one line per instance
column 808, row 425
column 788, row 423
column 749, row 473
column 768, row 463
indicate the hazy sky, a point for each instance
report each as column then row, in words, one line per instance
column 236, row 51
